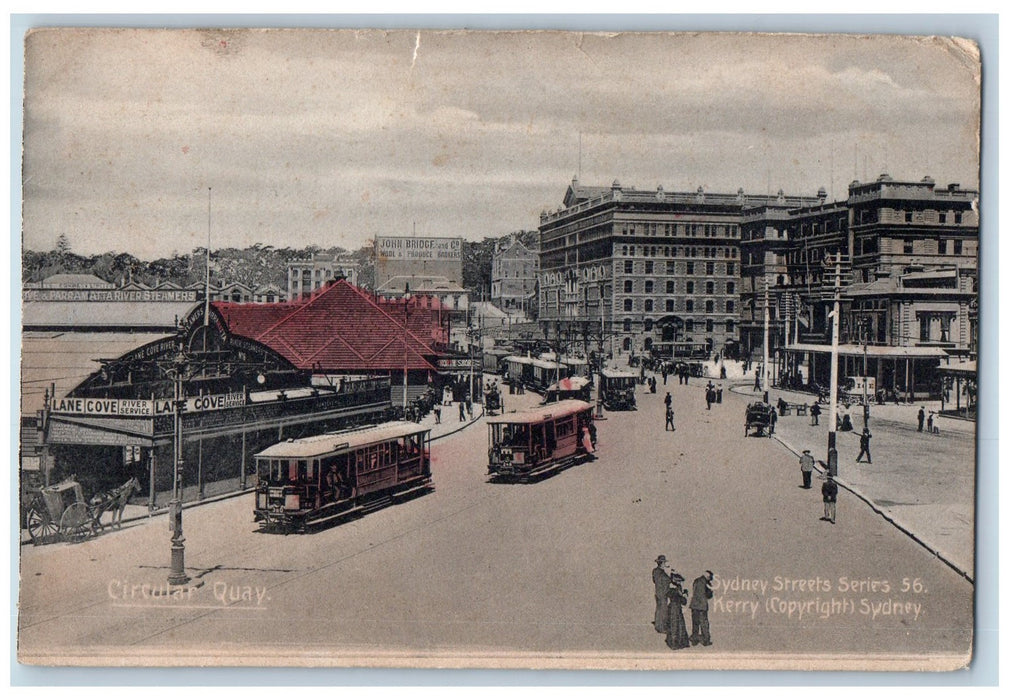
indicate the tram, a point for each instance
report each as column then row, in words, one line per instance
column 616, row 389
column 515, row 371
column 312, row 480
column 525, row 445
column 543, row 373
column 494, row 360
column 570, row 388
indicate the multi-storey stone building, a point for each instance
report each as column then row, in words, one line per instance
column 306, row 276
column 514, row 269
column 656, row 268
column 909, row 269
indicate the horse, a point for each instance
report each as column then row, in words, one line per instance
column 113, row 501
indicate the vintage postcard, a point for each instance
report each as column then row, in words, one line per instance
column 471, row 349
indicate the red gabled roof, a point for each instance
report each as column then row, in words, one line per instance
column 340, row 328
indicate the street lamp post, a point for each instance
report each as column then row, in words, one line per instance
column 177, row 573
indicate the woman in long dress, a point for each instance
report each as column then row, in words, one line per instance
column 676, row 626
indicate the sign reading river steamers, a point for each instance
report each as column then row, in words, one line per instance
column 406, row 248
column 144, row 407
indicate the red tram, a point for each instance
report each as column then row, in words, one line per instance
column 319, row 478
column 532, row 443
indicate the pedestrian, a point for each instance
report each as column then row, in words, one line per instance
column 462, row 412
column 469, row 407
column 718, row 394
column 662, row 582
column 709, row 396
column 814, row 414
column 774, row 419
column 676, row 626
column 756, row 381
column 829, row 491
column 806, row 466
column 865, row 414
column 930, row 422
column 863, row 443
column 437, row 414
column 921, row 418
column 700, row 594
column 669, row 419
column 665, row 374
column 935, row 424
column 721, row 372
column 668, row 400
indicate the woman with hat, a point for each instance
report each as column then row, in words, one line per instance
column 676, row 628
column 661, row 580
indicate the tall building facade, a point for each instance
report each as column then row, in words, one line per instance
column 658, row 269
column 514, row 271
column 306, row 276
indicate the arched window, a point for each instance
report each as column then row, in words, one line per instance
column 627, row 344
column 628, row 286
column 628, row 305
column 649, row 305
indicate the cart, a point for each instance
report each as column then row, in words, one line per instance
column 758, row 417
column 60, row 510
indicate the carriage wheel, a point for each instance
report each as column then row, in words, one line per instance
column 40, row 526
column 76, row 523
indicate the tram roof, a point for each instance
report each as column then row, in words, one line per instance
column 541, row 413
column 617, row 374
column 326, row 443
column 519, row 358
column 569, row 384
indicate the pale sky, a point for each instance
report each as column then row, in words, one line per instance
column 332, row 137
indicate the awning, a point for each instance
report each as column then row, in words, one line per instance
column 878, row 351
column 963, row 369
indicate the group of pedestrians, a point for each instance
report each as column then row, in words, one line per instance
column 932, row 424
column 670, row 597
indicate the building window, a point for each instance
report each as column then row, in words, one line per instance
column 709, row 288
column 670, row 305
column 671, row 267
column 690, row 304
column 649, row 305
column 670, row 287
column 709, row 306
column 690, row 268
column 648, row 344
column 709, row 325
column 730, row 326
column 730, row 268
column 709, row 268
column 730, row 287
column 627, row 344
column 627, row 325
column 649, row 267
column 942, row 246
column 628, row 286
column 648, row 325
column 908, row 246
column 628, row 267
column 690, row 287
column 688, row 325
column 649, row 286
column 628, row 305
column 924, row 322
column 730, row 306
column 957, row 247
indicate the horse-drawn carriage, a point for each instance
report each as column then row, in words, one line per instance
column 758, row 418
column 61, row 510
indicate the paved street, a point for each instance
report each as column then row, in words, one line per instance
column 557, row 571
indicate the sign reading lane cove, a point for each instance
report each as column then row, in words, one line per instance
column 139, row 408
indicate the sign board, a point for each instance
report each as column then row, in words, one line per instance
column 163, row 295
column 455, row 363
column 407, row 248
column 144, row 408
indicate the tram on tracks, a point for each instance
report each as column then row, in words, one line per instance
column 494, row 360
column 616, row 389
column 314, row 480
column 526, row 445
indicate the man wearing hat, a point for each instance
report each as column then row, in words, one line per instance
column 662, row 582
column 700, row 594
column 806, row 466
column 829, row 491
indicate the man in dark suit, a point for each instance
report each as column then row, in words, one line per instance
column 700, row 594
column 662, row 582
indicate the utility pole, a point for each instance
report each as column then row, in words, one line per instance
column 832, row 416
column 177, row 572
column 767, row 324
